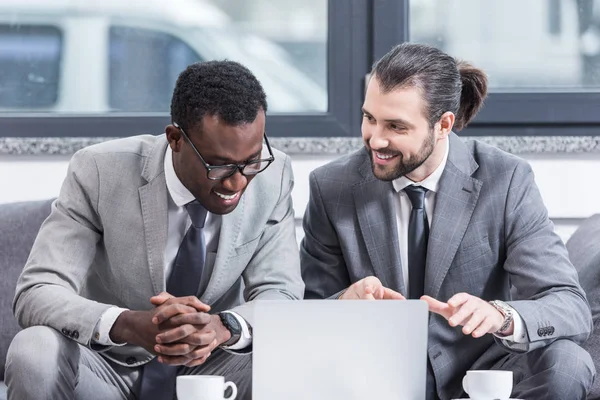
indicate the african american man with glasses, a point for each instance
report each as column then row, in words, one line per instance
column 156, row 248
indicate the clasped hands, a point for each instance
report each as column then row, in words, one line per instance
column 179, row 330
column 476, row 316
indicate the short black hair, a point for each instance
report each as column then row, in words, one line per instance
column 223, row 88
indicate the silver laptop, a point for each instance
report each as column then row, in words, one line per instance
column 329, row 350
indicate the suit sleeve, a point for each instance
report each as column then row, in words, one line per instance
column 548, row 296
column 323, row 267
column 273, row 273
column 47, row 291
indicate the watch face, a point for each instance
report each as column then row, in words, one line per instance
column 231, row 323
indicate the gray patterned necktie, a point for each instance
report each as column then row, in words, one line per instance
column 418, row 236
column 158, row 380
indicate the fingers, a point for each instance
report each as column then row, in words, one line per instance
column 474, row 322
column 160, row 298
column 204, row 351
column 195, row 318
column 370, row 288
column 165, row 298
column 177, row 349
column 389, row 294
column 487, row 326
column 461, row 314
column 475, row 315
column 438, row 307
column 201, row 338
column 176, row 334
column 196, row 356
column 459, row 299
column 171, row 310
column 378, row 292
column 367, row 296
column 187, row 345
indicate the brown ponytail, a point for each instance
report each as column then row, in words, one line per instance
column 447, row 84
column 474, row 91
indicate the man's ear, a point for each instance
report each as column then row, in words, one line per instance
column 446, row 123
column 174, row 137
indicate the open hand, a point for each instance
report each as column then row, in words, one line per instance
column 476, row 316
column 370, row 288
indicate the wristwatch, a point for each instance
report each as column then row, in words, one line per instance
column 506, row 311
column 233, row 325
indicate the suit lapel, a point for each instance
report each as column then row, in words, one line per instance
column 374, row 200
column 228, row 238
column 454, row 205
column 153, row 202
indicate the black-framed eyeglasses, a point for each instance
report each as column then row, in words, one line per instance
column 219, row 172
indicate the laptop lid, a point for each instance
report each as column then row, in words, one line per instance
column 328, row 350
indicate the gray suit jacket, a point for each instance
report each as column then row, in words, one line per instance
column 489, row 230
column 584, row 251
column 103, row 244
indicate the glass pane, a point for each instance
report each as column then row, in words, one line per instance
column 134, row 86
column 545, row 45
column 124, row 56
column 29, row 66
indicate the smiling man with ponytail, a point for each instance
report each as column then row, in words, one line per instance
column 419, row 213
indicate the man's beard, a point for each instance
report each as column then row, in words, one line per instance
column 403, row 168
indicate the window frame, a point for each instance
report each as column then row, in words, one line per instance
column 348, row 61
column 518, row 113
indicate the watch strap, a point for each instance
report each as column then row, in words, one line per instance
column 506, row 311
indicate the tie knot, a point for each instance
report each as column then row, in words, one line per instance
column 197, row 213
column 416, row 194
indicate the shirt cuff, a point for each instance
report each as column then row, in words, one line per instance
column 245, row 339
column 519, row 333
column 104, row 325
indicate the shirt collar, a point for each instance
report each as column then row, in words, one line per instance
column 179, row 193
column 431, row 183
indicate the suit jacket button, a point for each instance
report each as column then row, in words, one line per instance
column 76, row 334
column 65, row 331
column 130, row 360
column 540, row 332
column 552, row 330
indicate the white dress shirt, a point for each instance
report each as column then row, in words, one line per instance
column 403, row 208
column 178, row 223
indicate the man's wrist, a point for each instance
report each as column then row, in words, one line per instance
column 506, row 311
column 119, row 333
column 223, row 334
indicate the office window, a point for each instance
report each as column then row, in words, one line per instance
column 524, row 46
column 144, row 65
column 151, row 42
column 29, row 66
column 542, row 59
column 117, row 62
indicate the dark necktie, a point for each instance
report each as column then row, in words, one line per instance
column 158, row 380
column 189, row 262
column 418, row 235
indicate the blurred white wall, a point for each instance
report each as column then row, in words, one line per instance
column 568, row 182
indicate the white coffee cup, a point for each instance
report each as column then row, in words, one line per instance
column 204, row 387
column 488, row 385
